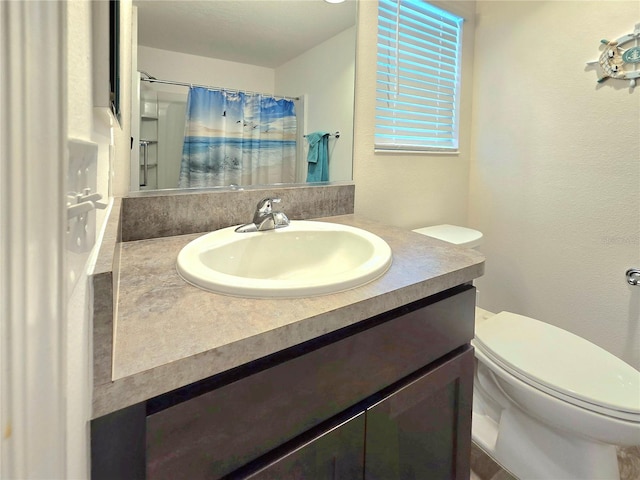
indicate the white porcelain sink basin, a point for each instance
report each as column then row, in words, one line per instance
column 304, row 259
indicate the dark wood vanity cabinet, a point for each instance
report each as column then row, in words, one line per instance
column 387, row 398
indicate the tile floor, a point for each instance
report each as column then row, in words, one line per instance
column 483, row 467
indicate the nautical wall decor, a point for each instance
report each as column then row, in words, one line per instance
column 620, row 58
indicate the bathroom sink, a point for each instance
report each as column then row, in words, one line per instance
column 306, row 258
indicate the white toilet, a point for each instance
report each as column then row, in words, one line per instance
column 548, row 404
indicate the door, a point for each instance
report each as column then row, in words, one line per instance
column 423, row 430
column 337, row 454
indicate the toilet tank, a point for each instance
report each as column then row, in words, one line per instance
column 461, row 236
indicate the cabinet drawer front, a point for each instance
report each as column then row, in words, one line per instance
column 215, row 433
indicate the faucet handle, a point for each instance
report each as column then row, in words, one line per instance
column 265, row 205
column 264, row 208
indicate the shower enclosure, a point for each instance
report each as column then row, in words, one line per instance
column 162, row 117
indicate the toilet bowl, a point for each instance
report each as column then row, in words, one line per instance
column 549, row 404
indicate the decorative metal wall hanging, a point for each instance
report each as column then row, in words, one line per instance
column 620, row 62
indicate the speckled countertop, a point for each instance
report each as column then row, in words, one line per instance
column 168, row 333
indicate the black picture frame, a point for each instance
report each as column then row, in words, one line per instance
column 114, row 59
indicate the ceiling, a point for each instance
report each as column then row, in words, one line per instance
column 267, row 33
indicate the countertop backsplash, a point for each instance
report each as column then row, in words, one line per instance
column 179, row 212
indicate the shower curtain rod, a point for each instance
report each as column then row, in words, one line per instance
column 185, row 84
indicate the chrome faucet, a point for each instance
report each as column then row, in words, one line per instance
column 265, row 218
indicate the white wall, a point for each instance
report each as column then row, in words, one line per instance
column 182, row 67
column 555, row 176
column 408, row 190
column 80, row 126
column 326, row 75
column 94, row 125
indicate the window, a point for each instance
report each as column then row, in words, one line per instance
column 418, row 77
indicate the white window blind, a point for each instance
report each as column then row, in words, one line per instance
column 418, row 77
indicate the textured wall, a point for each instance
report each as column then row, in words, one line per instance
column 417, row 189
column 80, row 125
column 182, row 67
column 555, row 175
column 326, row 74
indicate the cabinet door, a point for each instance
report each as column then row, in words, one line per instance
column 423, row 430
column 337, row 454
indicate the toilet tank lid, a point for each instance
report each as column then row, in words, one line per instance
column 560, row 360
column 462, row 236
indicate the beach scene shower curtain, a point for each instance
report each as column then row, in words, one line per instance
column 237, row 138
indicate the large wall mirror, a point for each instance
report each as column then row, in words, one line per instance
column 278, row 74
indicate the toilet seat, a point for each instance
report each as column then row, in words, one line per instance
column 561, row 364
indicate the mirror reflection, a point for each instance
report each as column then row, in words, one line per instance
column 242, row 92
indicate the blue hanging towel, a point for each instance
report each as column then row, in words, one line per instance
column 318, row 157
